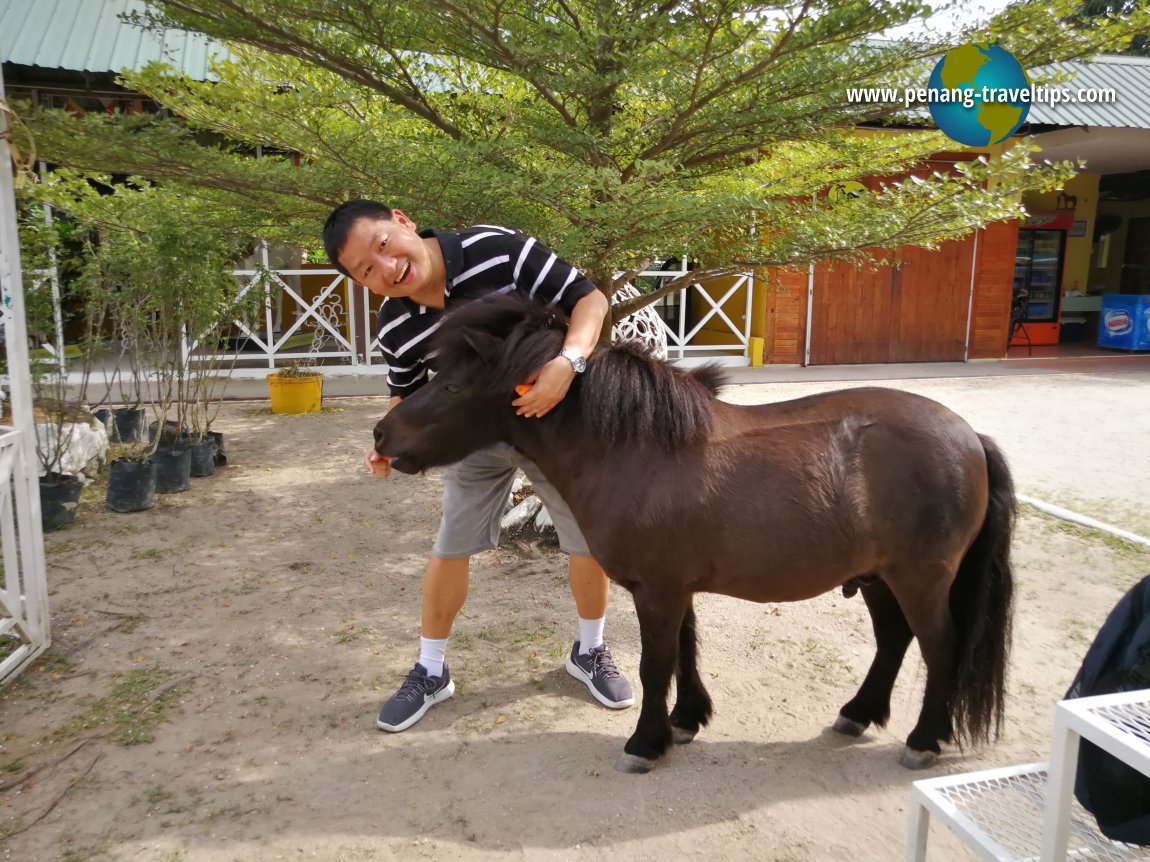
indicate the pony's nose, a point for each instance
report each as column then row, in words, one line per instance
column 380, row 437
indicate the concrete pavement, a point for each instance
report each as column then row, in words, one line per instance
column 249, row 384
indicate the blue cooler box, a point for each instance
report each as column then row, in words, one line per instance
column 1125, row 321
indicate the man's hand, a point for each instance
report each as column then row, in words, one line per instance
column 376, row 464
column 547, row 389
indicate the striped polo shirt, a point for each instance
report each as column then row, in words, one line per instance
column 480, row 260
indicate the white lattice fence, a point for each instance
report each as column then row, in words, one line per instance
column 340, row 318
column 699, row 306
column 24, row 626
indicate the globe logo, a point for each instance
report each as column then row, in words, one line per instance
column 979, row 94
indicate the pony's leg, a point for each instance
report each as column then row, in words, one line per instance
column 892, row 636
column 928, row 614
column 692, row 703
column 661, row 614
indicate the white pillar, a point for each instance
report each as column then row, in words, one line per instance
column 25, row 592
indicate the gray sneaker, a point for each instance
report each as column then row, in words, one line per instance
column 416, row 696
column 596, row 669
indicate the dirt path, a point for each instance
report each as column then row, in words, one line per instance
column 242, row 635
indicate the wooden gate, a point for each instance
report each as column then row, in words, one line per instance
column 916, row 311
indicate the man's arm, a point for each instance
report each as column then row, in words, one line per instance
column 586, row 323
column 550, row 385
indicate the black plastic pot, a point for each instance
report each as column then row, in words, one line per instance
column 221, row 454
column 131, row 486
column 129, row 424
column 59, row 499
column 203, row 457
column 173, row 470
column 172, row 436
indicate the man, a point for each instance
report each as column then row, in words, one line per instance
column 421, row 274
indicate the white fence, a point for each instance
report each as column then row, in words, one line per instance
column 333, row 319
column 314, row 314
column 24, row 622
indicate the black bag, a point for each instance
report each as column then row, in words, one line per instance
column 1118, row 660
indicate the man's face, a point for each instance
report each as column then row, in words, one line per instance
column 388, row 257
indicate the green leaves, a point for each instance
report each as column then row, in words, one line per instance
column 616, row 132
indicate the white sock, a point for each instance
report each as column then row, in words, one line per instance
column 431, row 653
column 590, row 634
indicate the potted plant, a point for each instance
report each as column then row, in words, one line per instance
column 165, row 259
column 298, row 388
column 209, row 318
column 117, row 262
column 128, row 422
column 177, row 295
column 69, row 440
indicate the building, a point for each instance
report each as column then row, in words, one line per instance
column 954, row 304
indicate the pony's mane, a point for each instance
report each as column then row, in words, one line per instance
column 629, row 396
column 516, row 334
column 625, row 396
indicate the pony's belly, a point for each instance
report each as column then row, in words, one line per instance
column 776, row 586
column 757, row 569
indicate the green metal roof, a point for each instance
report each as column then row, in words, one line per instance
column 1128, row 77
column 90, row 36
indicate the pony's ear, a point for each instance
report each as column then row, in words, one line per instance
column 487, row 346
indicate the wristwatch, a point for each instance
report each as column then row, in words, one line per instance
column 576, row 359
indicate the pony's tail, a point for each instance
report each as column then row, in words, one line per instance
column 981, row 602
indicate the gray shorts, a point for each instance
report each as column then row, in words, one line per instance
column 475, row 493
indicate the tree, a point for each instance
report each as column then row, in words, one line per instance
column 159, row 263
column 1094, row 9
column 618, row 132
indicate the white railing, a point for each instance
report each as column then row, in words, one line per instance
column 24, row 629
column 729, row 343
column 334, row 320
column 340, row 318
column 679, row 346
column 330, row 318
column 24, row 622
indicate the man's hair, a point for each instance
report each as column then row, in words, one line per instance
column 338, row 225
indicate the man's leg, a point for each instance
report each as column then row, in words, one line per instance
column 589, row 587
column 590, row 661
column 474, row 492
column 430, row 682
column 444, row 592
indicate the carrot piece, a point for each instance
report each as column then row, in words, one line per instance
column 522, row 388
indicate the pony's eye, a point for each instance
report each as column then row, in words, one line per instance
column 451, row 388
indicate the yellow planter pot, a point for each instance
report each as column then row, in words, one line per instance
column 295, row 394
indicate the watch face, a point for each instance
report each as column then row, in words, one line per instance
column 577, row 361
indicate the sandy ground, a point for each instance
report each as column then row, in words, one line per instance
column 242, row 635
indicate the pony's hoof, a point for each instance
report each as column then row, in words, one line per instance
column 912, row 759
column 848, row 726
column 681, row 736
column 633, row 764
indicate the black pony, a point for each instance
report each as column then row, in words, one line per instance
column 677, row 492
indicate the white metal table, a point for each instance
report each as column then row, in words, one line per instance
column 1116, row 723
column 1029, row 812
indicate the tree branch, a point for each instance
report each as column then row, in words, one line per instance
column 284, row 41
